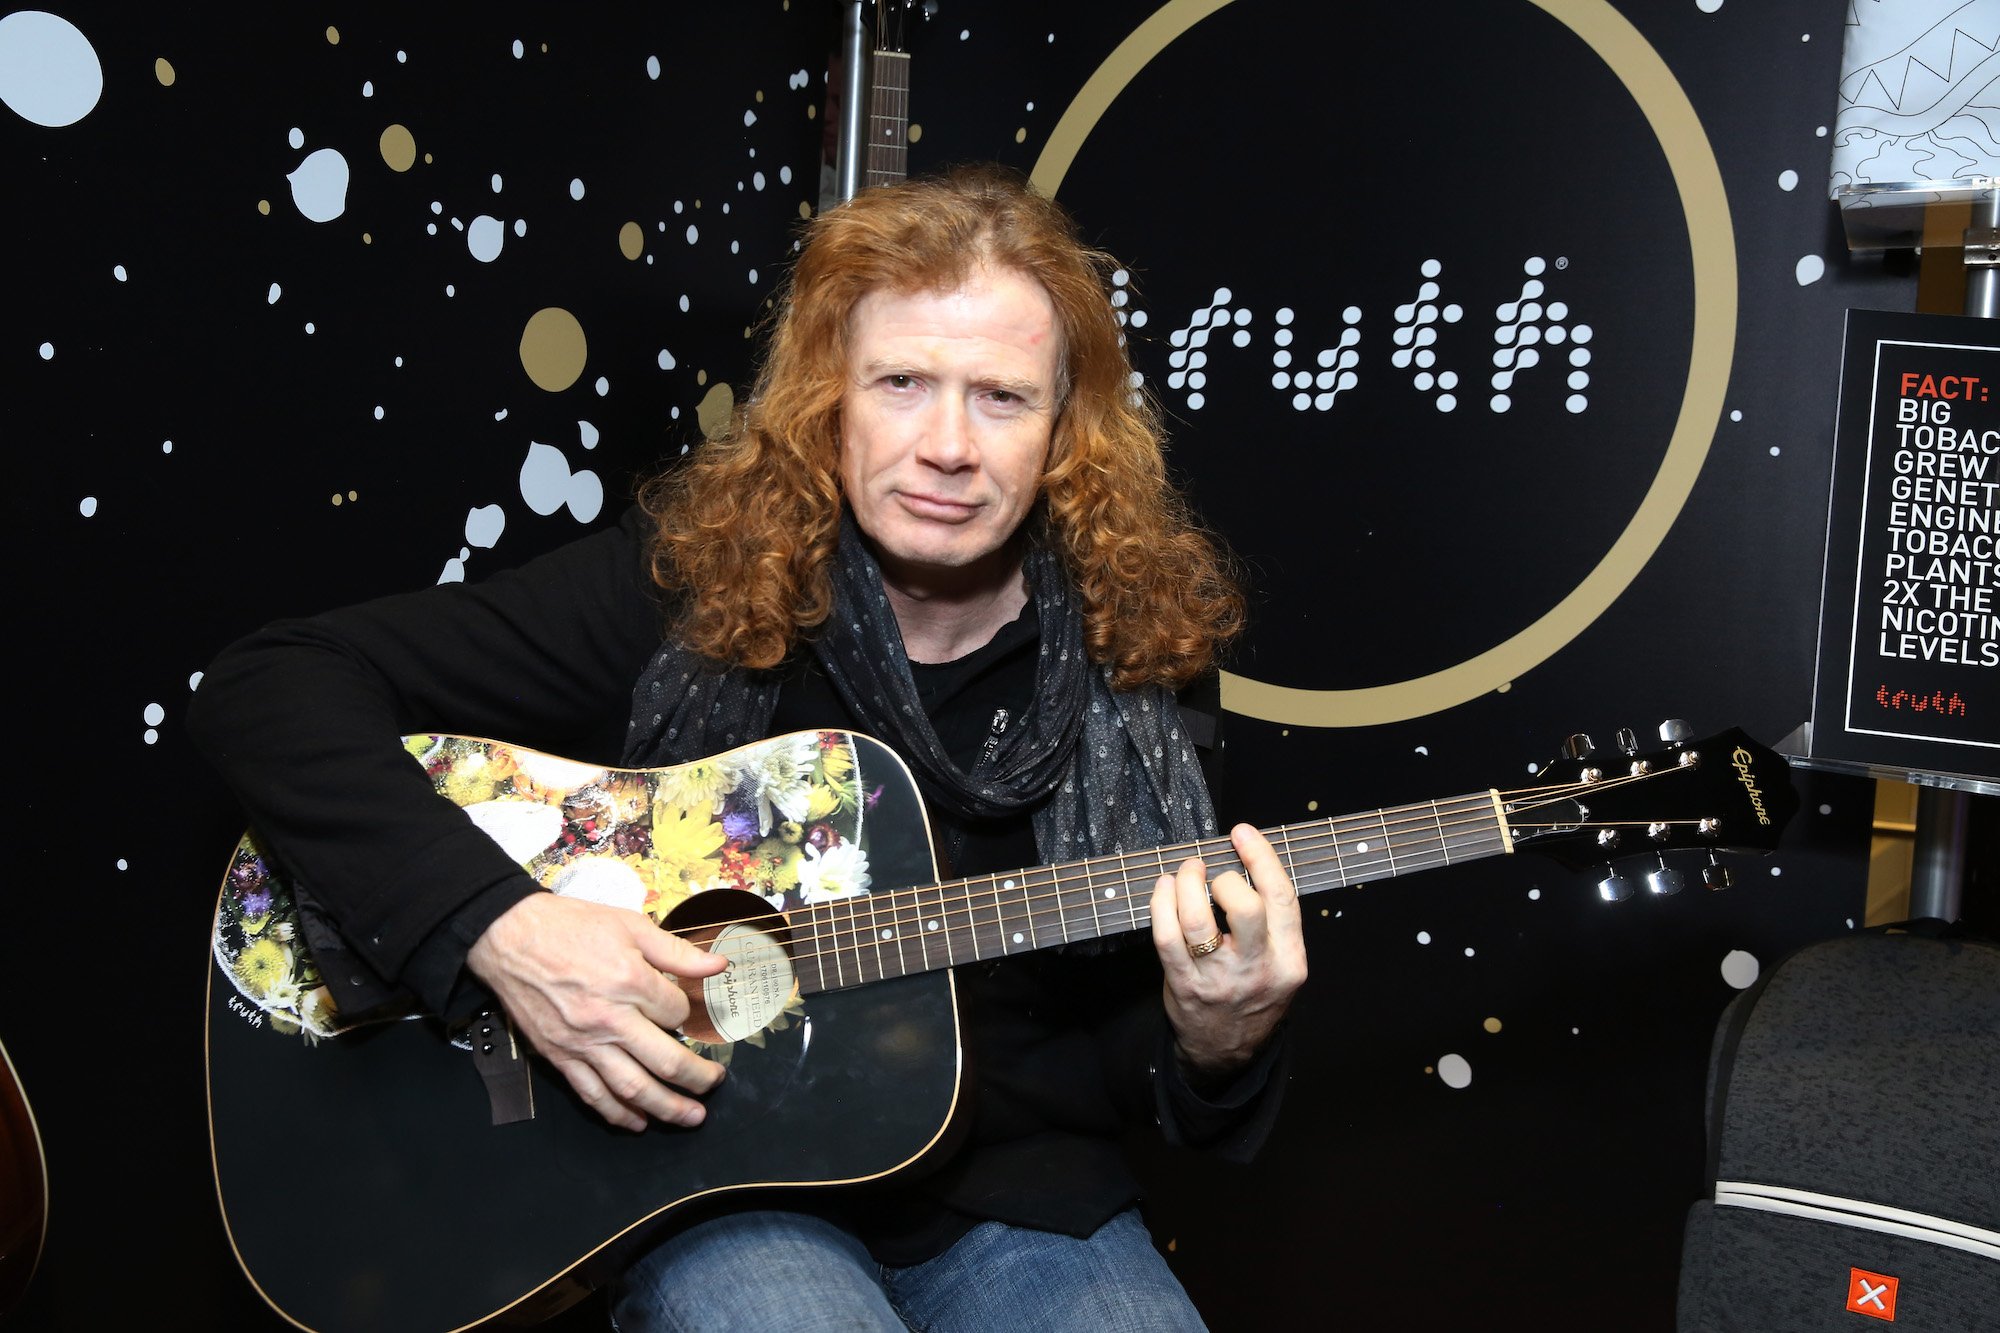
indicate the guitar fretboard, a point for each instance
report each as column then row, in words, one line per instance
column 870, row 937
column 888, row 156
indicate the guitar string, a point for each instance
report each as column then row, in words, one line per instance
column 968, row 920
column 1312, row 880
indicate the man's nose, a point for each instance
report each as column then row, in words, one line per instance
column 948, row 442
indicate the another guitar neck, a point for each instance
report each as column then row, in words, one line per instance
column 867, row 938
column 888, row 156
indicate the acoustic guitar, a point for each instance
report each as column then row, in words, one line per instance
column 378, row 1172
column 24, row 1189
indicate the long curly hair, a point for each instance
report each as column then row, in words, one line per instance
column 748, row 523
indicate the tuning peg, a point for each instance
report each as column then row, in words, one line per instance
column 1675, row 732
column 1627, row 742
column 1715, row 875
column 1663, row 882
column 1577, row 746
column 1614, row 888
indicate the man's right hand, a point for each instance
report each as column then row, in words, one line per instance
column 588, row 986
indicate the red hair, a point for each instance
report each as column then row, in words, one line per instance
column 748, row 524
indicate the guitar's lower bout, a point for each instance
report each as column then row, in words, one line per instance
column 364, row 1187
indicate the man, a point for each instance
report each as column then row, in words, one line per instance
column 942, row 519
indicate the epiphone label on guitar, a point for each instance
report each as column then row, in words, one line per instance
column 747, row 998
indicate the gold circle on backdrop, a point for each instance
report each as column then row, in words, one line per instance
column 1712, row 247
column 399, row 148
column 163, row 70
column 553, row 349
column 631, row 240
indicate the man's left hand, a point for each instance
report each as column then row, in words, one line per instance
column 1225, row 994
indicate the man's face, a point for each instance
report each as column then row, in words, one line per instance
column 944, row 428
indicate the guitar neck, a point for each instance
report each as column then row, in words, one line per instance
column 888, row 156
column 866, row 938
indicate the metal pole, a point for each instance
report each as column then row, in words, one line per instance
column 853, row 104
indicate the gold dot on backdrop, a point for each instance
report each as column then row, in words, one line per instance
column 715, row 409
column 553, row 349
column 760, row 94
column 811, row 111
column 805, row 208
column 264, row 207
column 164, row 72
column 916, row 132
column 631, row 240
column 399, row 148
column 366, row 239
column 333, row 36
column 701, row 377
column 1021, row 135
column 427, row 159
column 1712, row 249
column 1491, row 1025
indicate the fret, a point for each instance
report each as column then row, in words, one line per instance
column 1444, row 846
column 1131, row 907
column 971, row 918
column 1062, row 914
column 875, row 937
column 818, row 952
column 855, row 946
column 1000, row 914
column 1388, row 842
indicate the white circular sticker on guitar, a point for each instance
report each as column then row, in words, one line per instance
column 744, row 1000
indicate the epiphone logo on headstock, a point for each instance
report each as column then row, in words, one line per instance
column 1743, row 759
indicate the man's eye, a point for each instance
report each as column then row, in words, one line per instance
column 900, row 381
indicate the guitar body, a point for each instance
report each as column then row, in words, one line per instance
column 362, row 1181
column 24, row 1189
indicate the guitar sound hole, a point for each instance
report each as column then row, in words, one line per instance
column 759, row 982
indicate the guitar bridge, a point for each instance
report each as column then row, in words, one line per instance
column 502, row 1064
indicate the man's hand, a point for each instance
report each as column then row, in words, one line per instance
column 1225, row 1003
column 586, row 985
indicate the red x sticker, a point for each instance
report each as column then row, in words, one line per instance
column 1872, row 1294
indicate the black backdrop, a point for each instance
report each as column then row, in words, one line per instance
column 193, row 370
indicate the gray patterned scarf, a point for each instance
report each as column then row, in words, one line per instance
column 1099, row 770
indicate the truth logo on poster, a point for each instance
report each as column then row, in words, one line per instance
column 1910, row 630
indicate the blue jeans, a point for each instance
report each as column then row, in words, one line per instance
column 778, row 1272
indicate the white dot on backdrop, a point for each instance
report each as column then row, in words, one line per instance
column 402, row 57
column 576, row 189
column 48, row 351
column 692, row 234
column 518, row 49
column 753, row 275
column 1739, row 969
column 155, row 715
column 1454, row 1070
column 1810, row 269
column 652, row 67
column 749, row 119
column 1468, row 953
column 451, row 289
column 1788, row 180
column 378, row 413
column 684, row 305
column 118, row 272
column 1776, row 871
column 520, row 226
column 275, row 292
column 964, row 33
column 603, row 386
column 309, row 327
column 785, row 175
column 166, row 446
column 1774, row 451
column 1534, row 895
column 368, row 88
column 1736, row 415
column 1708, row 6
column 297, row 137
column 88, row 508
column 1820, row 132
column 496, row 182
column 1423, row 937
column 1826, row 809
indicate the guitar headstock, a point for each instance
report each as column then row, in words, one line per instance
column 1723, row 793
column 894, row 20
